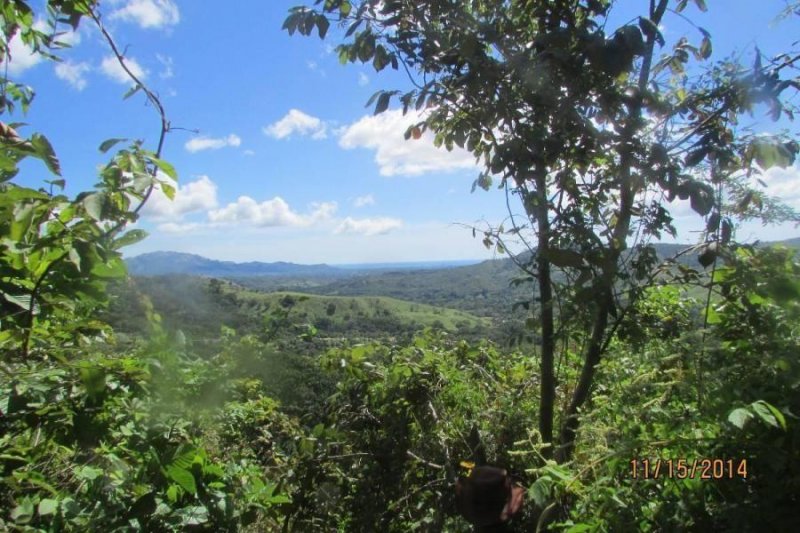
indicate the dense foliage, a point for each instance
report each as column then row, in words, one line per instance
column 229, row 412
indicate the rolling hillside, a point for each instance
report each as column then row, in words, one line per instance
column 199, row 306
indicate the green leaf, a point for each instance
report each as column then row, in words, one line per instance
column 701, row 4
column 74, row 258
column 88, row 473
column 650, row 29
column 182, row 477
column 580, row 528
column 193, row 516
column 22, row 300
column 768, row 154
column 115, row 268
column 44, row 151
column 164, row 167
column 108, row 144
column 322, row 26
column 23, row 512
column 383, row 103
column 47, row 506
column 131, row 237
column 769, row 414
column 172, row 493
column 705, row 48
column 93, row 204
column 540, row 491
column 739, row 417
column 130, row 92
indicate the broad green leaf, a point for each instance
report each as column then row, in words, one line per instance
column 769, row 414
column 164, row 167
column 47, row 506
column 383, row 103
column 131, row 237
column 44, row 150
column 739, row 417
column 108, row 144
column 196, row 515
column 182, row 477
column 20, row 300
column 88, row 473
column 93, row 204
column 168, row 190
column 705, row 47
column 23, row 512
column 540, row 491
column 322, row 26
column 114, row 268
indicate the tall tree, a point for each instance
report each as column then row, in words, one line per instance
column 590, row 129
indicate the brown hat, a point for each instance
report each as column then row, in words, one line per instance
column 487, row 496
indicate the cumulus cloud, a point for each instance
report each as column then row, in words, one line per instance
column 148, row 13
column 179, row 227
column 111, row 68
column 368, row 226
column 209, row 143
column 784, row 184
column 361, row 201
column 73, row 73
column 295, row 121
column 21, row 57
column 198, row 195
column 394, row 155
column 270, row 213
column 363, row 79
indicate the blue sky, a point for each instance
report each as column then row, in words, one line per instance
column 288, row 164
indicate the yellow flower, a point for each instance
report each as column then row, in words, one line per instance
column 468, row 466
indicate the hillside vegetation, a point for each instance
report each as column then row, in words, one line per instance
column 652, row 396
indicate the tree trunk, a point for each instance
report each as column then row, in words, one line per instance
column 594, row 350
column 548, row 386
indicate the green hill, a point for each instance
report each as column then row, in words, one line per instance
column 200, row 306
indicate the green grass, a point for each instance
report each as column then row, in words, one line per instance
column 347, row 312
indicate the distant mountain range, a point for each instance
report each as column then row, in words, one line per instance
column 163, row 263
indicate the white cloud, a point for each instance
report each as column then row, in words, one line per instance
column 270, row 213
column 73, row 73
column 199, row 195
column 368, row 226
column 361, row 201
column 249, row 152
column 178, row 227
column 363, row 79
column 784, row 184
column 396, row 156
column 166, row 62
column 111, row 68
column 298, row 122
column 209, row 143
column 22, row 57
column 148, row 13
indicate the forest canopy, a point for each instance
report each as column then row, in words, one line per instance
column 649, row 393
